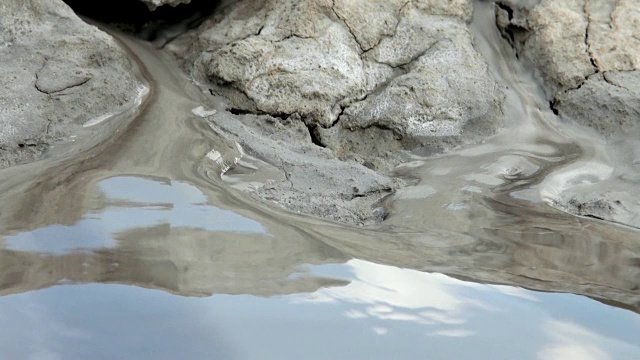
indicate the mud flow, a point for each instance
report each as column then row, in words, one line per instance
column 145, row 244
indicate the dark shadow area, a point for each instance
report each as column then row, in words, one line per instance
column 134, row 17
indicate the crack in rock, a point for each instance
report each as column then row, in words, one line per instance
column 586, row 36
column 62, row 77
column 355, row 38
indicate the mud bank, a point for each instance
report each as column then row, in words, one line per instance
column 59, row 76
column 319, row 102
column 413, row 84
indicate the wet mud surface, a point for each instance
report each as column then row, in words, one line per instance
column 145, row 245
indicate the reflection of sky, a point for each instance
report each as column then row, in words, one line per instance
column 138, row 203
column 383, row 313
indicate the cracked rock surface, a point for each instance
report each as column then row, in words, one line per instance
column 306, row 178
column 57, row 73
column 404, row 66
column 588, row 53
column 369, row 79
column 581, row 43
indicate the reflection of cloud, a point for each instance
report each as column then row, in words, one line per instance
column 398, row 288
column 33, row 315
column 572, row 351
column 438, row 317
column 453, row 333
column 355, row 314
column 394, row 294
column 442, row 311
column 187, row 207
column 572, row 341
column 380, row 330
column 515, row 291
column 134, row 203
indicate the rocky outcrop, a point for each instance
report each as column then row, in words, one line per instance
column 367, row 80
column 406, row 69
column 588, row 53
column 310, row 179
column 57, row 73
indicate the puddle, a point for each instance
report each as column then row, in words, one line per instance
column 381, row 312
column 131, row 203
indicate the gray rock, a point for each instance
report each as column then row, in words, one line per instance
column 367, row 80
column 57, row 73
column 613, row 35
column 304, row 178
column 408, row 68
column 612, row 38
column 443, row 90
column 552, row 36
column 607, row 102
column 570, row 41
column 588, row 53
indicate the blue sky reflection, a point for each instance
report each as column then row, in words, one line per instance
column 133, row 203
column 384, row 312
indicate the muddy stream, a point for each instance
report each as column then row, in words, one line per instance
column 138, row 248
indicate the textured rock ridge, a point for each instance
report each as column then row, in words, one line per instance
column 404, row 67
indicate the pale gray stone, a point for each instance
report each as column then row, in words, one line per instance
column 57, row 73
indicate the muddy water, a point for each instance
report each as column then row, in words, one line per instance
column 134, row 248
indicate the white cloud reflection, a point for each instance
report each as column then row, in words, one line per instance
column 383, row 313
column 380, row 330
column 394, row 294
column 515, row 291
column 572, row 341
column 453, row 333
column 391, row 300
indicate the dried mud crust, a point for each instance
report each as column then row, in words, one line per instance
column 309, row 179
column 57, row 72
column 368, row 80
column 588, row 53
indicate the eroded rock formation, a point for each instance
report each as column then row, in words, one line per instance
column 588, row 53
column 57, row 73
column 407, row 67
column 368, row 79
